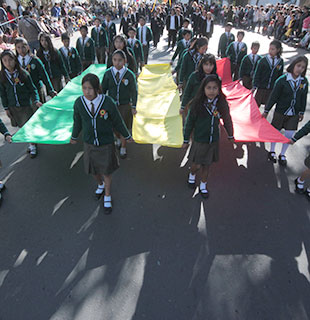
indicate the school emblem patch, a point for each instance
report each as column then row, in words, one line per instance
column 125, row 81
column 87, row 44
column 103, row 114
column 33, row 66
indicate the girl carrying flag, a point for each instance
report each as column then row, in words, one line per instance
column 35, row 67
column 52, row 61
column 191, row 59
column 268, row 70
column 17, row 93
column 97, row 116
column 120, row 84
column 120, row 43
column 290, row 96
column 206, row 110
column 207, row 66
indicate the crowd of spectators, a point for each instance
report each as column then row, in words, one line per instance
column 288, row 23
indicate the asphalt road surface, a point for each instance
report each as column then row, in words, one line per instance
column 164, row 254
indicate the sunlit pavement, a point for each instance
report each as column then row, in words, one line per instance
column 164, row 254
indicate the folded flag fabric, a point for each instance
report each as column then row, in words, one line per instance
column 223, row 70
column 158, row 120
column 52, row 123
column 249, row 125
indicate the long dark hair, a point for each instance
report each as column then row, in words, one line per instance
column 129, row 57
column 22, row 73
column 200, row 42
column 50, row 48
column 24, row 42
column 208, row 57
column 94, row 82
column 292, row 65
column 196, row 105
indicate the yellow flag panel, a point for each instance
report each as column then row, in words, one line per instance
column 158, row 120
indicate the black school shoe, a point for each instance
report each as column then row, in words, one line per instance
column 282, row 160
column 107, row 210
column 298, row 189
column 2, row 187
column 272, row 157
column 205, row 195
column 307, row 193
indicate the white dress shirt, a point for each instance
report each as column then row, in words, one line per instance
column 95, row 101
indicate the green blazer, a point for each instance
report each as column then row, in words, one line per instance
column 180, row 34
column 3, row 129
column 234, row 56
column 189, row 64
column 181, row 47
column 98, row 129
column 206, row 124
column 86, row 52
column 247, row 66
column 56, row 68
column 38, row 74
column 111, row 30
column 72, row 60
column 136, row 49
column 149, row 35
column 124, row 91
column 265, row 76
column 224, row 43
column 100, row 38
column 302, row 132
column 288, row 98
column 19, row 93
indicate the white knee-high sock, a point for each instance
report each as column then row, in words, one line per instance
column 289, row 134
column 272, row 147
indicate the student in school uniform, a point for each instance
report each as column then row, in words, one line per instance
column 97, row 116
column 206, row 67
column 205, row 112
column 191, row 60
column 144, row 35
column 236, row 51
column 305, row 175
column 290, row 96
column 53, row 62
column 109, row 27
column 157, row 25
column 71, row 57
column 248, row 66
column 185, row 26
column 135, row 45
column 8, row 138
column 18, row 93
column 134, row 17
column 172, row 28
column 125, row 23
column 225, row 40
column 267, row 71
column 182, row 44
column 206, row 25
column 100, row 38
column 195, row 21
column 120, row 43
column 35, row 67
column 86, row 48
column 121, row 85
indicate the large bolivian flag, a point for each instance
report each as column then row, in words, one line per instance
column 53, row 122
column 158, row 120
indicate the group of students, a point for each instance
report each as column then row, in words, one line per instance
column 108, row 105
